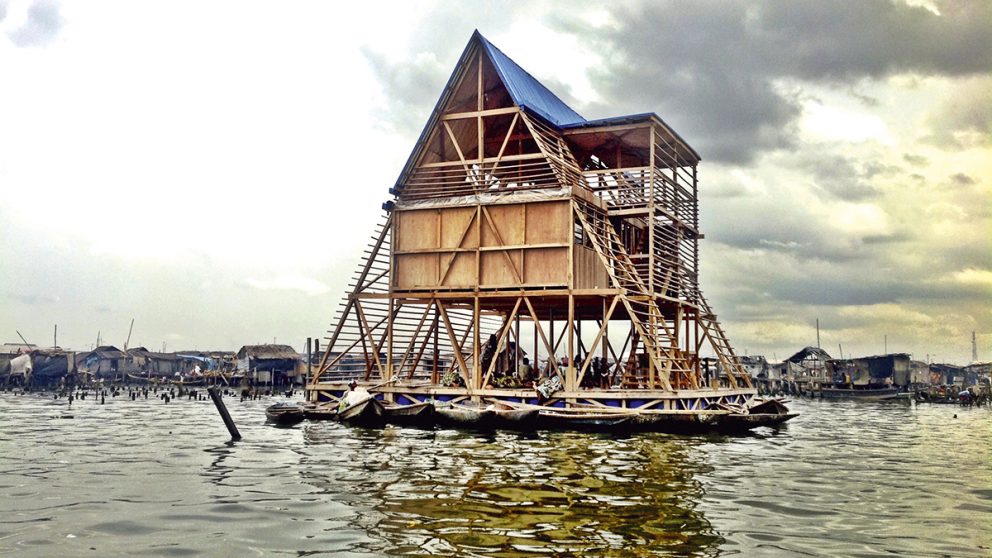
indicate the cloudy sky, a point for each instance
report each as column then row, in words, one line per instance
column 214, row 169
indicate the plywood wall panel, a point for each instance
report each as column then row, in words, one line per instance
column 589, row 270
column 508, row 221
column 462, row 271
column 416, row 270
column 546, row 266
column 548, row 222
column 454, row 221
column 416, row 230
column 496, row 270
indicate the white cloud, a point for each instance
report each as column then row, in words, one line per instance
column 832, row 123
column 977, row 277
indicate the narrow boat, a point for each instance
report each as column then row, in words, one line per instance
column 572, row 420
column 416, row 414
column 284, row 414
column 507, row 416
column 674, row 422
column 360, row 408
column 766, row 413
column 863, row 394
column 192, row 382
column 454, row 414
column 320, row 412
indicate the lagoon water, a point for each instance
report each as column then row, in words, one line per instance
column 132, row 478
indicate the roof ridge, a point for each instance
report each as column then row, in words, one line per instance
column 516, row 79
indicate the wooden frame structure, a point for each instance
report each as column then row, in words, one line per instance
column 515, row 225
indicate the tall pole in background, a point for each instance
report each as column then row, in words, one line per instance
column 309, row 366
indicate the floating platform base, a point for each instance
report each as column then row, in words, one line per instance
column 707, row 410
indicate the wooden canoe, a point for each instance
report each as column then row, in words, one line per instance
column 416, row 414
column 284, row 414
column 454, row 414
column 320, row 412
column 507, row 416
column 364, row 412
column 563, row 418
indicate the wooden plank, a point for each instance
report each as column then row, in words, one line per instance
column 599, row 336
column 455, row 224
column 461, row 271
column 506, row 224
column 505, row 158
column 499, row 268
column 486, row 112
column 514, row 267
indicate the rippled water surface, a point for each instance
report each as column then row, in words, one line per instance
column 148, row 478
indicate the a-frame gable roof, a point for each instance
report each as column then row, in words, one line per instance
column 526, row 91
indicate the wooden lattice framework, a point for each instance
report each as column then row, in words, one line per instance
column 511, row 221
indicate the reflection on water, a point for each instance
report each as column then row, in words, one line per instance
column 144, row 477
column 450, row 492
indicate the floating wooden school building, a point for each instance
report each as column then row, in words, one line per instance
column 518, row 223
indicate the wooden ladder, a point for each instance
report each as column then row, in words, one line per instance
column 721, row 345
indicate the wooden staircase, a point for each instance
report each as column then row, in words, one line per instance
column 736, row 374
column 657, row 335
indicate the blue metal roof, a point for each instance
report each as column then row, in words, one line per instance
column 527, row 92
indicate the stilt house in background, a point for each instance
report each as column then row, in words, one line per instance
column 103, row 361
column 268, row 364
column 516, row 219
column 148, row 363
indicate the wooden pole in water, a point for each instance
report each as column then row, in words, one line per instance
column 228, row 421
column 306, row 383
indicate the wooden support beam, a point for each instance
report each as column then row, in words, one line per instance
column 504, row 331
column 570, row 377
column 386, row 228
column 415, row 336
column 544, row 339
column 455, row 346
column 599, row 336
column 371, row 340
column 499, row 241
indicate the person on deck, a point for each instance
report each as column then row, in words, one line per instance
column 524, row 372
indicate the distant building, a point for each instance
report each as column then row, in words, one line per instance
column 143, row 362
column 946, row 374
column 808, row 365
column 207, row 361
column 269, row 364
column 51, row 365
column 9, row 351
column 756, row 366
column 919, row 372
column 102, row 361
column 891, row 369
